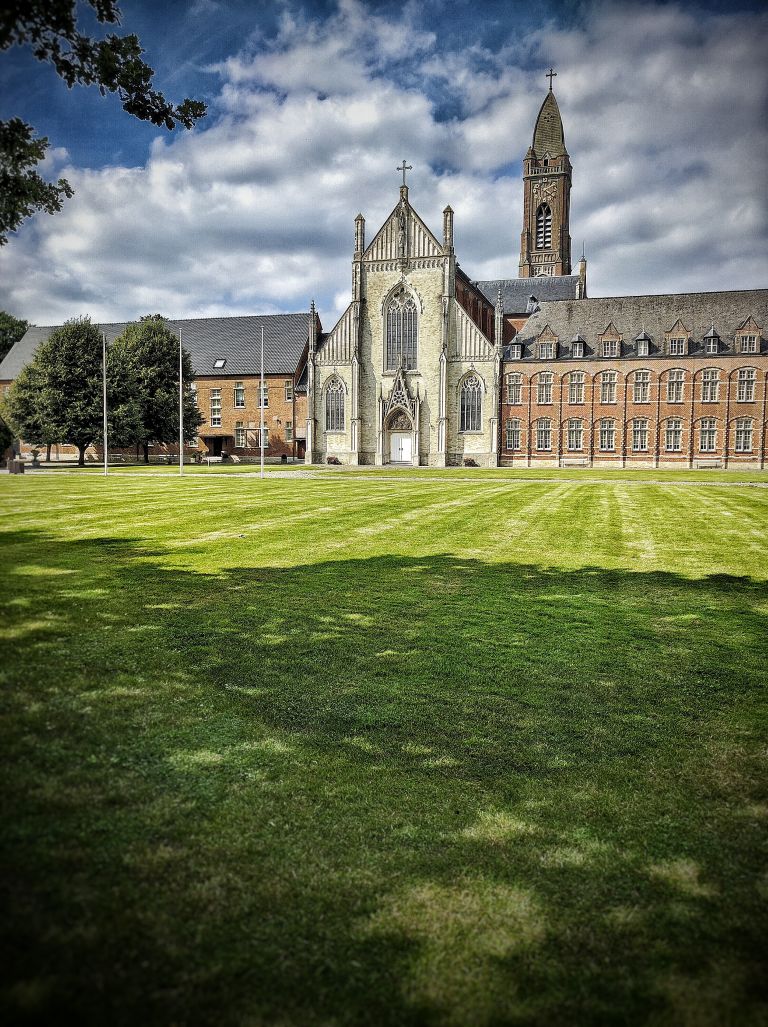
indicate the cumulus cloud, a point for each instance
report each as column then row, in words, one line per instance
column 254, row 210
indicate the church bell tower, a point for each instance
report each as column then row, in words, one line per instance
column 545, row 243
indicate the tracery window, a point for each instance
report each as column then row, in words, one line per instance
column 544, row 434
column 641, row 390
column 471, row 403
column 402, row 331
column 607, row 434
column 544, row 227
column 513, row 433
column 544, row 387
column 710, row 385
column 608, row 387
column 708, row 435
column 745, row 392
column 639, row 435
column 514, row 389
column 576, row 387
column 743, row 440
column 334, row 406
column 575, row 433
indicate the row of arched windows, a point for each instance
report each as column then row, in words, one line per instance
column 673, row 383
column 709, row 434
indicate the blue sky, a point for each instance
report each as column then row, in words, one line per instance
column 311, row 106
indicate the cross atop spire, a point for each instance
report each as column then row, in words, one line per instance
column 550, row 75
column 404, row 167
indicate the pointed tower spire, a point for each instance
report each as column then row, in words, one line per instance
column 545, row 243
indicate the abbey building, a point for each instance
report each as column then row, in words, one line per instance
column 427, row 367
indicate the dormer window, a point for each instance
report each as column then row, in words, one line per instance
column 749, row 344
column 516, row 351
column 712, row 341
column 546, row 351
column 577, row 346
column 643, row 344
column 219, row 363
column 678, row 347
column 610, row 347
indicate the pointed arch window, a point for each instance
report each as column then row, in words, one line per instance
column 402, row 331
column 544, row 227
column 471, row 403
column 334, row 406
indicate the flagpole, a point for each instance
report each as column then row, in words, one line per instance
column 104, row 398
column 261, row 405
column 181, row 406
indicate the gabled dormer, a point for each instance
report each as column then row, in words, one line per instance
column 678, row 340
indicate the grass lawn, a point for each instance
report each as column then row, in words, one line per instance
column 357, row 749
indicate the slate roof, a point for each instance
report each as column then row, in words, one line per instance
column 236, row 339
column 652, row 315
column 548, row 134
column 515, row 292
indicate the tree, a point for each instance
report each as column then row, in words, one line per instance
column 11, row 328
column 6, row 437
column 151, row 350
column 113, row 64
column 28, row 410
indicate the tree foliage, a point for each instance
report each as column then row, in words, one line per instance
column 6, row 436
column 11, row 328
column 114, row 64
column 28, row 408
column 150, row 350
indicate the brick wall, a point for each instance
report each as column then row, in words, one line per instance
column 694, row 412
column 239, row 415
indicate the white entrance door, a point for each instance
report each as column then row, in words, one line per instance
column 400, row 447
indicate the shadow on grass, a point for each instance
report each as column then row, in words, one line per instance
column 391, row 791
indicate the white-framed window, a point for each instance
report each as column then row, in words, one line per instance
column 288, row 390
column 641, row 387
column 516, row 351
column 512, row 432
column 643, row 348
column 610, row 347
column 334, row 406
column 576, row 387
column 264, row 394
column 608, row 386
column 544, row 434
column 748, row 344
column 712, row 344
column 402, row 331
column 575, row 433
column 707, row 435
column 640, row 435
column 607, row 434
column 544, row 387
column 675, row 385
column 471, row 404
column 215, row 408
column 544, row 227
column 743, row 435
column 678, row 347
column 514, row 388
column 265, row 437
column 240, row 441
column 289, row 431
column 710, row 385
column 673, row 435
column 577, row 348
column 239, row 394
column 546, row 350
column 745, row 386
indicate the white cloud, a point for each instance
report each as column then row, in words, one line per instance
column 254, row 212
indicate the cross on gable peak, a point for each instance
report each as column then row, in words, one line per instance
column 550, row 75
column 404, row 167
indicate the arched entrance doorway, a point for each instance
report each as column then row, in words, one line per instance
column 400, row 437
